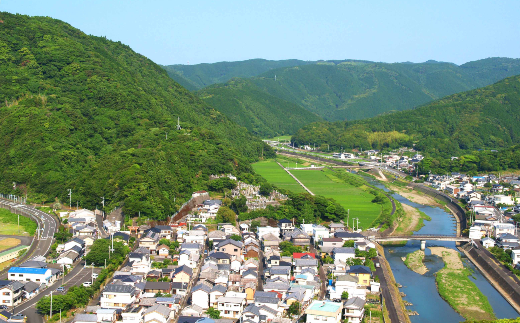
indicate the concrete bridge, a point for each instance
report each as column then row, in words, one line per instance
column 423, row 238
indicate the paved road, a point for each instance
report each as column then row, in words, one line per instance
column 101, row 230
column 47, row 226
column 76, row 276
column 260, row 286
column 392, row 313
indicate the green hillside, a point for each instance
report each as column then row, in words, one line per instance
column 358, row 90
column 196, row 77
column 261, row 113
column 88, row 114
column 487, row 117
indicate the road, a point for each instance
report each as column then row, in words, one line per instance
column 101, row 230
column 260, row 286
column 392, row 312
column 47, row 226
column 77, row 276
column 321, row 272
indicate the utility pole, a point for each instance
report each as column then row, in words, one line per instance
column 103, row 202
column 70, row 198
column 18, row 223
column 51, row 305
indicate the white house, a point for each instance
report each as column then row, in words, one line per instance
column 488, row 242
column 231, row 307
column 157, row 314
column 134, row 315
column 340, row 255
column 37, row 275
column 106, row 315
column 324, row 312
column 11, row 292
column 262, row 231
column 475, row 232
column 515, row 254
column 118, row 296
column 68, row 257
column 354, row 309
column 503, row 199
column 344, row 283
column 188, row 258
column 501, row 228
column 200, row 295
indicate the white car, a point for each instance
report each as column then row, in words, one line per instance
column 94, row 275
column 87, row 284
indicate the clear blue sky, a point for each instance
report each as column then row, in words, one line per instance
column 177, row 32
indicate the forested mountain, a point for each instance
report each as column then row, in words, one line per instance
column 84, row 113
column 351, row 90
column 487, row 117
column 196, row 77
column 261, row 113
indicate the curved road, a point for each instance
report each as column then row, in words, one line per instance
column 47, row 226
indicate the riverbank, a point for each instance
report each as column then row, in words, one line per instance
column 413, row 195
column 409, row 220
column 414, row 262
column 458, row 290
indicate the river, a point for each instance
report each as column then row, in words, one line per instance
column 421, row 290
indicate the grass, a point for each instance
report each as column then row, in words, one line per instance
column 6, row 264
column 8, row 243
column 9, row 226
column 350, row 197
column 275, row 175
column 459, row 291
column 414, row 262
column 281, row 138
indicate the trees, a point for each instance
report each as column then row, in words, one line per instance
column 348, row 244
column 265, row 189
column 344, row 295
column 213, row 313
column 294, row 309
column 288, row 248
column 226, row 215
column 236, row 237
column 239, row 205
column 99, row 252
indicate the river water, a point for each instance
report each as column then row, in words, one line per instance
column 421, row 290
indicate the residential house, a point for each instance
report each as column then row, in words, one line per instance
column 220, row 257
column 267, row 299
column 11, row 292
column 324, row 312
column 152, row 288
column 251, row 252
column 297, row 237
column 327, row 244
column 75, row 242
column 364, row 245
column 217, row 234
column 200, row 295
column 163, row 250
column 182, row 274
column 363, row 273
column 188, row 258
column 262, row 231
column 344, row 235
column 501, row 228
column 488, row 242
column 85, row 318
column 68, row 257
column 150, row 241
column 250, row 289
column 507, row 241
column 354, row 309
column 106, row 315
column 340, row 255
column 279, row 271
column 215, row 293
column 515, row 255
column 180, row 288
column 343, row 283
column 157, row 314
column 231, row 247
column 300, row 264
column 336, row 227
column 193, row 310
column 271, row 241
column 30, row 289
column 285, row 225
column 231, row 305
column 118, row 296
column 279, row 287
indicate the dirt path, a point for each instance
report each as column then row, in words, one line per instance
column 410, row 222
column 415, row 196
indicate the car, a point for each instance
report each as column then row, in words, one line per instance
column 94, row 275
column 377, row 265
column 87, row 284
column 3, row 307
column 60, row 289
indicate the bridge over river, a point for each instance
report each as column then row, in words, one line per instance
column 423, row 238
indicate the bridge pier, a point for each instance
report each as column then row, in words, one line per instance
column 423, row 245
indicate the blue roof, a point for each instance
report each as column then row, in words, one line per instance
column 25, row 270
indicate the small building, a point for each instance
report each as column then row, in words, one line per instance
column 363, row 273
column 354, row 309
column 37, row 275
column 488, row 242
column 324, row 311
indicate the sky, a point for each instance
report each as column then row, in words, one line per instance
column 193, row 32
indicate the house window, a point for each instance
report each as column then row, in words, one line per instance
column 6, row 301
column 6, row 293
column 38, row 280
column 12, row 275
column 236, row 249
column 20, row 275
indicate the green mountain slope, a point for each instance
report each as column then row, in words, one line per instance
column 260, row 112
column 358, row 90
column 196, row 77
column 84, row 113
column 487, row 117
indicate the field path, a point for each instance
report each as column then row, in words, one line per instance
column 297, row 180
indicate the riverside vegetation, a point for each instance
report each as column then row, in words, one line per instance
column 457, row 289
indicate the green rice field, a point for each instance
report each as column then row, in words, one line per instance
column 350, row 197
column 275, row 175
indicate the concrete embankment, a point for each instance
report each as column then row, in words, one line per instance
column 504, row 281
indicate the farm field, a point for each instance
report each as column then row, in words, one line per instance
column 6, row 243
column 350, row 197
column 275, row 175
column 9, row 224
